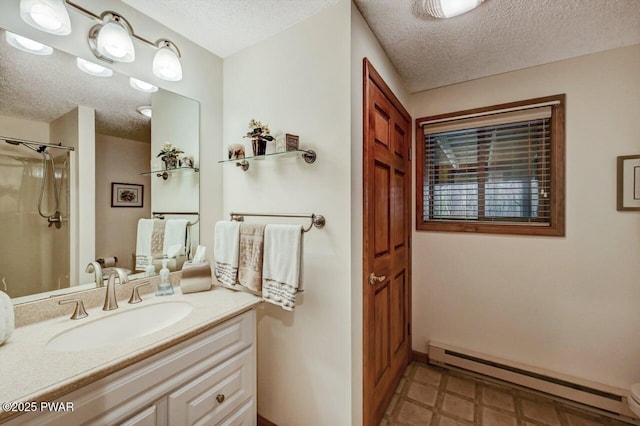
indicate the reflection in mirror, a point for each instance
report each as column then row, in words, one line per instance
column 99, row 191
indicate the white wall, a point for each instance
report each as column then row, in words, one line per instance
column 363, row 45
column 119, row 160
column 565, row 304
column 298, row 82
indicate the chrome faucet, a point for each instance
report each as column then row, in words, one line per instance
column 96, row 268
column 110, row 302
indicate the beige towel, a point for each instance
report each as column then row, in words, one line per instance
column 251, row 248
column 157, row 238
column 149, row 241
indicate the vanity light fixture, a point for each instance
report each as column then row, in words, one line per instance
column 27, row 45
column 111, row 40
column 46, row 15
column 142, row 86
column 449, row 8
column 166, row 62
column 93, row 69
column 145, row 110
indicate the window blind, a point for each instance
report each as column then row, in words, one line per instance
column 494, row 168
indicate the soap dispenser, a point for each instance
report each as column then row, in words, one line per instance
column 149, row 270
column 164, row 288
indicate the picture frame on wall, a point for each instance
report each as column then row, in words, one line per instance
column 628, row 183
column 127, row 195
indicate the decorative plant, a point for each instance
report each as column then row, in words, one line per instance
column 169, row 150
column 258, row 131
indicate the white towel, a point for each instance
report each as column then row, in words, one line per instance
column 226, row 251
column 282, row 265
column 175, row 232
column 143, row 243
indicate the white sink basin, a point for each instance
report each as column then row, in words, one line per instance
column 120, row 327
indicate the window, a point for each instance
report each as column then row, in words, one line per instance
column 497, row 170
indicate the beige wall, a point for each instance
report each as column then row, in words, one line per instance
column 566, row 304
column 363, row 45
column 20, row 128
column 119, row 160
column 298, row 82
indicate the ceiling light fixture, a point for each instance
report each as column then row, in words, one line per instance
column 142, row 86
column 449, row 8
column 46, row 15
column 27, row 45
column 111, row 40
column 145, row 110
column 166, row 62
column 93, row 69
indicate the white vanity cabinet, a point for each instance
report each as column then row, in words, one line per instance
column 209, row 379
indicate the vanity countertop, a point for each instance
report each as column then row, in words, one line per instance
column 31, row 372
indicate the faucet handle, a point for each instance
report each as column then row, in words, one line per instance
column 135, row 296
column 79, row 312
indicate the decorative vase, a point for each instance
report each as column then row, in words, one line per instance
column 170, row 161
column 262, row 146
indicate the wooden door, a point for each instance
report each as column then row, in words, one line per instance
column 387, row 245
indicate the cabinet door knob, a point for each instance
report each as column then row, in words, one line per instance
column 220, row 398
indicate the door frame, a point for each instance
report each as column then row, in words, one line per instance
column 370, row 77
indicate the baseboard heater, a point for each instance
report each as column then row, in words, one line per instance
column 572, row 388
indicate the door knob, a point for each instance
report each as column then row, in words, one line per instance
column 374, row 279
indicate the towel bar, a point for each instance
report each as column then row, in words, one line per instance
column 160, row 215
column 317, row 220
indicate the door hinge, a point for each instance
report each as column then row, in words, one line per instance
column 410, row 152
column 409, row 329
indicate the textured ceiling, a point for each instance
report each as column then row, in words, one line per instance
column 43, row 88
column 228, row 26
column 497, row 37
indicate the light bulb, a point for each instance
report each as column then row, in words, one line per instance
column 27, row 45
column 93, row 69
column 50, row 16
column 145, row 110
column 142, row 86
column 115, row 43
column 166, row 64
column 449, row 8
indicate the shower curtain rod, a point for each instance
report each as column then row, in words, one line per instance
column 41, row 146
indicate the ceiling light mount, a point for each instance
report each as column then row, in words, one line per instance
column 449, row 8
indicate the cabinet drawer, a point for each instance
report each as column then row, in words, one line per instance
column 246, row 415
column 214, row 394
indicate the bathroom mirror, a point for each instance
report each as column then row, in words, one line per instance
column 100, row 189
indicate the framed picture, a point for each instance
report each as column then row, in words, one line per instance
column 126, row 194
column 629, row 182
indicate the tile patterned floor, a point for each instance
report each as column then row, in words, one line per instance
column 433, row 396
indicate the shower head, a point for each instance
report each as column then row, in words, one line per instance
column 12, row 142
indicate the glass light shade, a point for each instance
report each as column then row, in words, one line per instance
column 145, row 110
column 114, row 42
column 142, row 86
column 93, row 69
column 166, row 65
column 26, row 44
column 46, row 15
column 449, row 8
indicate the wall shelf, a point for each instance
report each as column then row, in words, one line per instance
column 309, row 156
column 164, row 173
